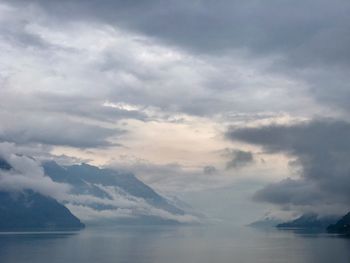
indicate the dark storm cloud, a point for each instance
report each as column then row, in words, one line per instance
column 238, row 158
column 311, row 39
column 321, row 149
column 291, row 192
column 307, row 31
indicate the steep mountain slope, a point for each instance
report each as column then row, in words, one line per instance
column 26, row 209
column 342, row 226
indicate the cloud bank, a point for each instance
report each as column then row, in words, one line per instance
column 321, row 149
column 26, row 173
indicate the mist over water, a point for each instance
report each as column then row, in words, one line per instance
column 173, row 244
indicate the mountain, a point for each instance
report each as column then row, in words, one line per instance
column 309, row 221
column 265, row 223
column 111, row 196
column 342, row 226
column 93, row 194
column 28, row 210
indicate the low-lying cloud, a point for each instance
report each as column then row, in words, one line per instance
column 27, row 173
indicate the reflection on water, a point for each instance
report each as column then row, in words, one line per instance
column 173, row 244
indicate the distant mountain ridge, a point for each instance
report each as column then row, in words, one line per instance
column 309, row 221
column 267, row 222
column 330, row 224
column 88, row 179
column 101, row 191
column 95, row 195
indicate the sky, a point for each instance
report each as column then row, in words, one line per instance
column 230, row 105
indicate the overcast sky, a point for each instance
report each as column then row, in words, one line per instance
column 243, row 103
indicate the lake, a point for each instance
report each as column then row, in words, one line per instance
column 173, row 244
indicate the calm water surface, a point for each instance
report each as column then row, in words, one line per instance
column 173, row 244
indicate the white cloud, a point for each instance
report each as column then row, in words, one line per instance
column 26, row 173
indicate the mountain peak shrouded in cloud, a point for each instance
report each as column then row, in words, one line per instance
column 26, row 201
column 112, row 196
column 321, row 149
column 93, row 194
column 20, row 172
